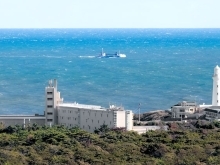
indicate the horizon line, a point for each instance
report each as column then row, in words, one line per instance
column 111, row 28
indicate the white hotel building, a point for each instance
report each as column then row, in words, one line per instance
column 87, row 117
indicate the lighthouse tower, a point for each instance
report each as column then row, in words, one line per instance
column 216, row 87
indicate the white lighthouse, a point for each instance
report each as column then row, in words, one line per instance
column 216, row 87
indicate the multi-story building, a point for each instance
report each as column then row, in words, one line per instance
column 183, row 109
column 22, row 120
column 87, row 117
column 212, row 113
column 52, row 99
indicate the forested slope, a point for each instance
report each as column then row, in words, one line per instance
column 59, row 145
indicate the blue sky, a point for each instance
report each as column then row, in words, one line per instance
column 109, row 13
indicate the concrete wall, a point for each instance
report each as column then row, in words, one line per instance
column 20, row 120
column 49, row 105
column 120, row 120
column 68, row 116
column 144, row 129
column 212, row 114
column 91, row 119
column 129, row 120
column 52, row 98
column 182, row 111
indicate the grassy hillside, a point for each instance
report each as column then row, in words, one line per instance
column 59, row 145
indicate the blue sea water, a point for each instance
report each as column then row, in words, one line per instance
column 162, row 67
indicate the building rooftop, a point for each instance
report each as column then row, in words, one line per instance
column 21, row 117
column 185, row 103
column 215, row 109
column 77, row 105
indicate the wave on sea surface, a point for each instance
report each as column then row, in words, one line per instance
column 87, row 56
column 161, row 69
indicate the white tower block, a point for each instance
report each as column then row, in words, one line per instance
column 52, row 99
column 216, row 87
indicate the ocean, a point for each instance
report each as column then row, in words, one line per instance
column 162, row 67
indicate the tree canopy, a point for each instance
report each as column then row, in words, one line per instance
column 60, row 145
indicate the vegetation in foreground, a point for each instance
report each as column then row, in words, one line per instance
column 59, row 145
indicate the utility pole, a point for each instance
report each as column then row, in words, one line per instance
column 196, row 107
column 139, row 117
column 195, row 99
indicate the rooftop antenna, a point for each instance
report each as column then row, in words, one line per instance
column 50, row 83
column 55, row 83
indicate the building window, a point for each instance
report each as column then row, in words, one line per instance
column 92, row 121
column 49, row 93
column 89, row 127
column 49, row 113
column 49, row 106
column 83, row 126
column 110, row 122
column 107, row 115
column 70, row 111
column 98, row 121
column 182, row 110
column 95, row 114
column 49, row 120
column 62, row 117
column 49, row 98
column 101, row 115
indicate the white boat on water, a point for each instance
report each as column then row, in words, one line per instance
column 114, row 55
